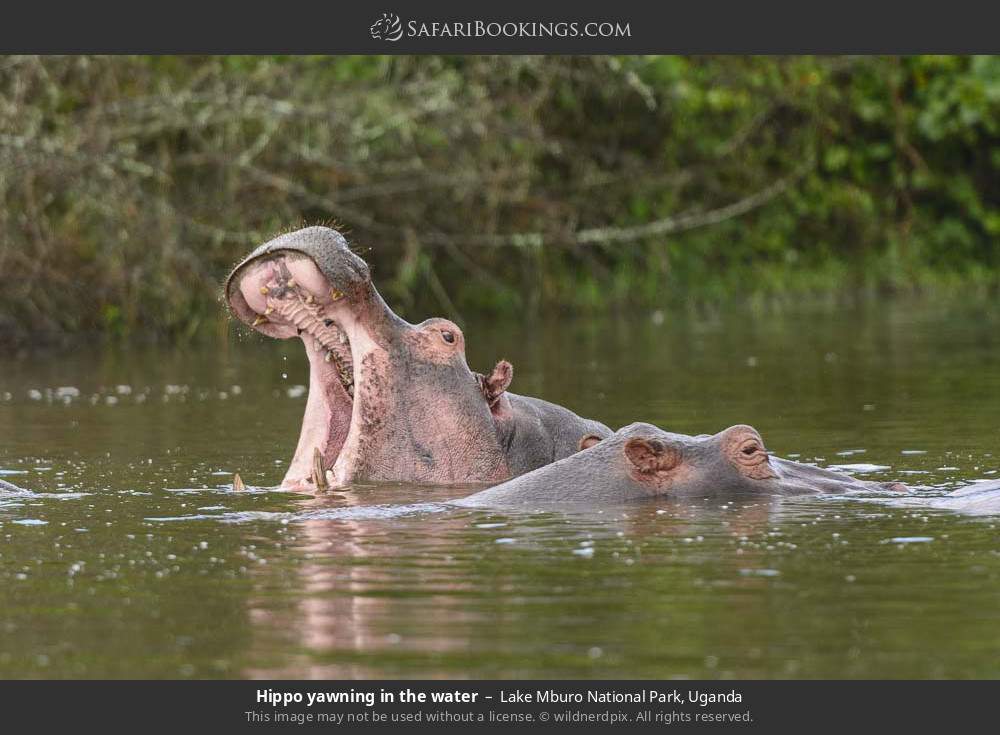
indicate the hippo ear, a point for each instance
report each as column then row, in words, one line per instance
column 496, row 383
column 588, row 440
column 651, row 456
column 895, row 487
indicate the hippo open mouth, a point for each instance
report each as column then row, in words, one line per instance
column 388, row 400
column 288, row 292
column 283, row 294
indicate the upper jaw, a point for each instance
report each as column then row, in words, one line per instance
column 288, row 296
column 335, row 270
column 305, row 283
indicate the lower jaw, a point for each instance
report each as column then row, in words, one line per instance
column 325, row 424
column 366, row 359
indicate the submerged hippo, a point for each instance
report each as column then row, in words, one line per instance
column 389, row 400
column 643, row 461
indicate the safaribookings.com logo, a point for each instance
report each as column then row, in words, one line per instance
column 390, row 28
column 387, row 28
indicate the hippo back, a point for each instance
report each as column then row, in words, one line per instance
column 539, row 433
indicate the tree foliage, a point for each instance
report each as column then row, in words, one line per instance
column 130, row 185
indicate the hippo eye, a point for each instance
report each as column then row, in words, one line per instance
column 751, row 451
column 745, row 449
column 448, row 337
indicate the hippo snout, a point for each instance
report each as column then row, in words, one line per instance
column 331, row 259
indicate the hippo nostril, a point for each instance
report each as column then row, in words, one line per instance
column 328, row 322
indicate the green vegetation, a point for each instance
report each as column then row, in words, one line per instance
column 130, row 185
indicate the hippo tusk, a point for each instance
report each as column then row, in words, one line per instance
column 336, row 295
column 261, row 319
column 318, row 475
column 238, row 483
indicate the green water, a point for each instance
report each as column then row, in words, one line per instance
column 133, row 560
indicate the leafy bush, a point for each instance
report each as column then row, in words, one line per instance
column 131, row 185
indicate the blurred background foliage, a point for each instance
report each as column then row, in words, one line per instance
column 130, row 185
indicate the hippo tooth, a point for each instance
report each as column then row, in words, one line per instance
column 343, row 338
column 261, row 319
column 264, row 290
column 350, row 391
column 291, row 283
column 268, row 311
column 336, row 295
column 329, row 356
column 318, row 475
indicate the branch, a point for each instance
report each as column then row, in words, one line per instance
column 693, row 220
column 665, row 226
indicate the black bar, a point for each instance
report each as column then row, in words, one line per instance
column 754, row 706
column 706, row 26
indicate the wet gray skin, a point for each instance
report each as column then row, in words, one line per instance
column 389, row 400
column 642, row 461
column 979, row 498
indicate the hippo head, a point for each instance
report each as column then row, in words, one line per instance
column 388, row 400
column 647, row 461
column 642, row 461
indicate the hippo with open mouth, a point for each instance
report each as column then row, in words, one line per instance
column 642, row 461
column 389, row 400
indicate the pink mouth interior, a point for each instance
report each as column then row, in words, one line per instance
column 292, row 298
